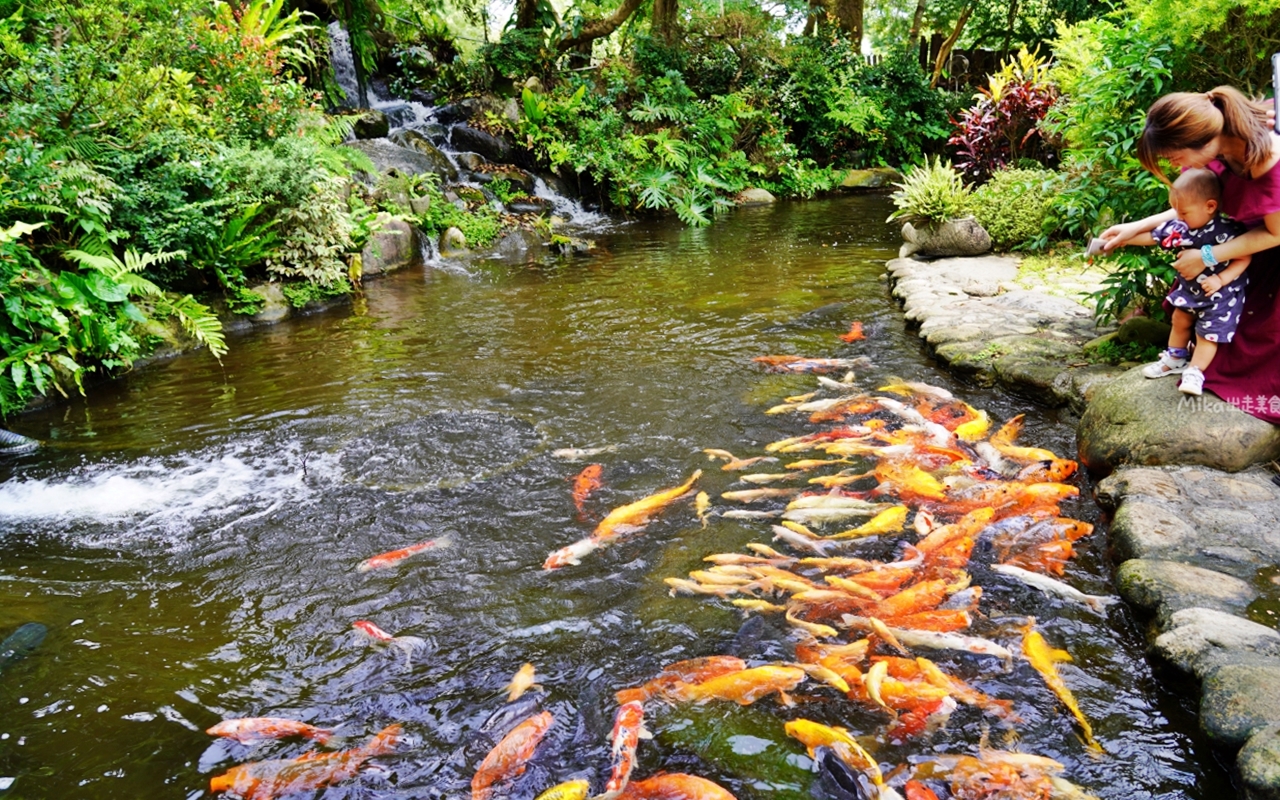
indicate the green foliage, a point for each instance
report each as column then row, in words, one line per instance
column 931, row 194
column 1138, row 280
column 1112, row 352
column 519, row 54
column 1014, row 205
column 300, row 293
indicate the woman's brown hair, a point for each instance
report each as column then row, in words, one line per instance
column 1187, row 121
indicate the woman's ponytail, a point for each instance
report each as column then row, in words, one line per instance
column 1246, row 120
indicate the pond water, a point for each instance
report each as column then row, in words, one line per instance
column 190, row 533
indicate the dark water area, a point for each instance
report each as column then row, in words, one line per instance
column 190, row 533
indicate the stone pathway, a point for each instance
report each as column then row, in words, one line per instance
column 988, row 320
column 1199, row 551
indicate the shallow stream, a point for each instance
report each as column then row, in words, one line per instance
column 190, row 533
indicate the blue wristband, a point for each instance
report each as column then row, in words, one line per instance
column 1206, row 255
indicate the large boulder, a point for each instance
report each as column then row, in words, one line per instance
column 1167, row 587
column 387, row 156
column 393, row 247
column 754, row 197
column 371, row 124
column 1259, row 764
column 416, row 141
column 1136, row 420
column 956, row 237
column 1240, row 700
column 494, row 148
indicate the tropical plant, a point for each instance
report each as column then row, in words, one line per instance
column 1003, row 127
column 931, row 194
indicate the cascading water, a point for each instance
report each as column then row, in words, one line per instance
column 408, row 115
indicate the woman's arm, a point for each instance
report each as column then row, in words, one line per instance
column 1190, row 263
column 1119, row 235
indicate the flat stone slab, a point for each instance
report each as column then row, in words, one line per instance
column 1139, row 421
column 988, row 321
column 1240, row 700
column 1199, row 640
column 1169, row 586
column 1259, row 764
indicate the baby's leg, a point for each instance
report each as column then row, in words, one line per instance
column 1204, row 353
column 1180, row 333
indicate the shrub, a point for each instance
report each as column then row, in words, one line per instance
column 1014, row 205
column 1003, row 127
column 931, row 195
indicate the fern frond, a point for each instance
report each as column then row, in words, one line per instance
column 200, row 323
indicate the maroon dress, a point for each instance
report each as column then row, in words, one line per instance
column 1246, row 373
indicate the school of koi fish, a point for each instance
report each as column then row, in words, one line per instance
column 907, row 465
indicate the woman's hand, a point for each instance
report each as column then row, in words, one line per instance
column 1189, row 264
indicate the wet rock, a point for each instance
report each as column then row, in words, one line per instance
column 529, row 205
column 1135, row 420
column 518, row 246
column 387, row 156
column 1147, row 530
column 453, row 242
column 1259, row 765
column 516, row 177
column 470, row 161
column 1145, row 330
column 875, row 178
column 1157, row 483
column 1199, row 640
column 1170, row 586
column 494, row 148
column 419, row 205
column 1238, row 701
column 754, row 197
column 275, row 307
column 371, row 124
column 569, row 245
column 393, row 247
column 956, row 237
column 453, row 112
column 470, row 194
column 416, row 141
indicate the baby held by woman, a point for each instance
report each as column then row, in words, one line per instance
column 1210, row 305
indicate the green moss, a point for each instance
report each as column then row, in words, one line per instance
column 302, row 293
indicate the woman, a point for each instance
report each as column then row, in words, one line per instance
column 1231, row 135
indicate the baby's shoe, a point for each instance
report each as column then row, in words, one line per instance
column 1169, row 364
column 1192, row 381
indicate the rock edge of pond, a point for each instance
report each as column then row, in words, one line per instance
column 1198, row 546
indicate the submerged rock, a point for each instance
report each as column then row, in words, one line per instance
column 1140, row 421
column 754, row 197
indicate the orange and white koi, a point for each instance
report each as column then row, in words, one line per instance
column 584, row 484
column 405, row 644
column 264, row 780
column 802, row 364
column 746, row 686
column 522, row 682
column 252, row 729
column 675, row 786
column 508, row 758
column 394, row 557
column 690, row 671
column 628, row 730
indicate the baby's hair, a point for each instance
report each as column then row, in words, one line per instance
column 1197, row 184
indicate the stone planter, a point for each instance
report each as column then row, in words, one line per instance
column 956, row 237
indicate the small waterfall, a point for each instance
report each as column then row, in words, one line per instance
column 344, row 64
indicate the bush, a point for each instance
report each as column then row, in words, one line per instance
column 931, row 195
column 1014, row 205
column 1003, row 127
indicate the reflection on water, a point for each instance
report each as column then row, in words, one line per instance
column 191, row 533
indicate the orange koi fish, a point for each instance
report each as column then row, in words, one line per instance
column 632, row 516
column 252, row 729
column 264, row 780
column 855, row 332
column 1054, row 470
column 694, row 670
column 405, row 644
column 1045, row 660
column 508, row 758
column 584, row 483
column 675, row 786
column 628, row 729
column 747, row 686
column 915, row 790
column 396, row 556
column 522, row 682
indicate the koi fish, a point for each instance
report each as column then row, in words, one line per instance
column 584, row 483
column 579, row 453
column 684, row 586
column 405, row 644
column 396, row 556
column 521, row 683
column 675, row 786
column 855, row 332
column 1045, row 659
column 744, row 513
column 694, row 670
column 569, row 790
column 933, row 640
column 974, row 429
column 508, row 758
column 1054, row 470
column 632, row 516
column 756, row 495
column 814, row 735
column 264, row 780
column 628, row 730
column 252, row 729
column 890, row 520
column 1050, row 586
column 746, row 686
column 768, row 477
column 802, row 364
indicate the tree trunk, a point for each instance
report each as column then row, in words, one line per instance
column 664, row 18
column 600, row 28
column 848, row 15
column 917, row 21
column 1009, row 23
column 526, row 14
column 817, row 17
column 945, row 52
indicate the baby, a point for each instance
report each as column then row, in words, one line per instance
column 1211, row 304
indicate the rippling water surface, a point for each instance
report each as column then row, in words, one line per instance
column 190, row 533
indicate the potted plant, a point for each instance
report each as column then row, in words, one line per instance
column 933, row 201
